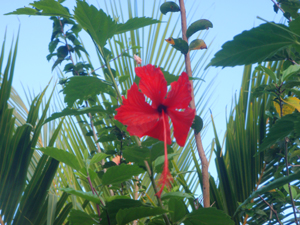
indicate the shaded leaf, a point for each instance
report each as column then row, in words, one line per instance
column 208, row 216
column 179, row 44
column 78, row 217
column 76, row 112
column 98, row 157
column 169, row 7
column 127, row 215
column 254, row 46
column 198, row 25
column 176, row 194
column 267, row 71
column 121, row 173
column 85, row 195
column 177, row 209
column 62, row 156
column 135, row 23
column 197, row 124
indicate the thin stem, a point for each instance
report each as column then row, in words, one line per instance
column 287, row 163
column 273, row 210
column 275, row 3
column 204, row 162
column 98, row 209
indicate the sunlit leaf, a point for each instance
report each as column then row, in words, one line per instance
column 62, row 156
column 121, row 173
column 197, row 44
column 127, row 215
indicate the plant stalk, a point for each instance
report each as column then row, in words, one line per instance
column 287, row 164
column 199, row 145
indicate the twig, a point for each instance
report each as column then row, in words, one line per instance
column 204, row 162
column 277, row 4
column 1, row 221
column 91, row 185
column 273, row 210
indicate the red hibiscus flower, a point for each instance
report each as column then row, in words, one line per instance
column 144, row 119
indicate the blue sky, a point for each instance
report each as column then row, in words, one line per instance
column 229, row 18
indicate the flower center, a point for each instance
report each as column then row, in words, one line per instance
column 161, row 108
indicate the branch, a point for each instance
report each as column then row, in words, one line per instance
column 273, row 210
column 204, row 162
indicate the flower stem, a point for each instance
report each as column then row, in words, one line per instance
column 98, row 209
column 204, row 162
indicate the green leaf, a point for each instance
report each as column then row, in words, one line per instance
column 176, row 194
column 101, row 26
column 179, row 44
column 83, row 88
column 290, row 71
column 98, row 157
column 208, row 216
column 268, row 72
column 135, row 23
column 123, row 78
column 282, row 128
column 177, row 209
column 78, row 217
column 76, row 112
column 197, row 124
column 127, row 215
column 160, row 160
column 114, row 206
column 121, row 173
column 295, row 25
column 198, row 25
column 254, row 46
column 169, row 7
column 272, row 185
column 62, row 156
column 197, row 44
column 24, row 11
column 136, row 154
column 48, row 8
column 85, row 195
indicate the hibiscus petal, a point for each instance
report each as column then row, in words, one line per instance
column 179, row 97
column 153, row 83
column 182, row 121
column 136, row 113
column 158, row 130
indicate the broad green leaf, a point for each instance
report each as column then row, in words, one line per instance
column 114, row 206
column 136, row 154
column 290, row 71
column 179, row 44
column 83, row 88
column 85, row 195
column 75, row 112
column 208, row 216
column 197, row 44
column 62, row 156
column 254, row 46
column 127, row 215
column 197, row 124
column 121, row 173
column 78, row 217
column 169, row 7
column 24, row 11
column 282, row 128
column 98, row 157
column 177, row 209
column 176, row 194
column 101, row 26
column 51, row 8
column 277, row 183
column 267, row 71
column 295, row 26
column 135, row 23
column 160, row 160
column 198, row 25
